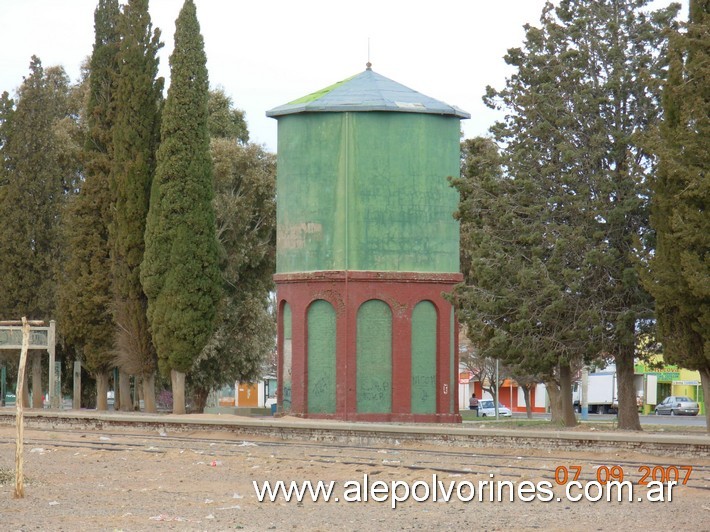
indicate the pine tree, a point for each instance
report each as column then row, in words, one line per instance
column 225, row 121
column 85, row 296
column 517, row 303
column 180, row 272
column 135, row 140
column 586, row 84
column 680, row 272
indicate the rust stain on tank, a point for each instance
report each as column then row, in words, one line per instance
column 294, row 236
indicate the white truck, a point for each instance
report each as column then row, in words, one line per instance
column 601, row 393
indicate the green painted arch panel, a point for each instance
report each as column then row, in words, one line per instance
column 367, row 191
column 287, row 370
column 424, row 321
column 321, row 358
column 374, row 358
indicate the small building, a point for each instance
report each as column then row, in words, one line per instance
column 663, row 380
column 259, row 394
column 510, row 394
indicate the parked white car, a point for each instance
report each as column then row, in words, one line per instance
column 488, row 409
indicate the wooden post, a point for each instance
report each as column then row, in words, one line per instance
column 54, row 400
column 76, row 401
column 19, row 475
column 3, row 384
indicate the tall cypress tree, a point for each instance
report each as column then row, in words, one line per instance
column 680, row 270
column 135, row 140
column 180, row 272
column 7, row 108
column 85, row 295
column 245, row 208
column 38, row 178
column 41, row 173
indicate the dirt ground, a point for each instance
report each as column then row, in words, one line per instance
column 127, row 480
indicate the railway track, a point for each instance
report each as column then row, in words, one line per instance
column 469, row 462
column 656, row 445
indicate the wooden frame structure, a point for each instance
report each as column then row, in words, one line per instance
column 42, row 336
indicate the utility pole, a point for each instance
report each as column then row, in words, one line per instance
column 584, row 402
column 496, row 401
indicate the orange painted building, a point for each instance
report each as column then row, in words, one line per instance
column 510, row 394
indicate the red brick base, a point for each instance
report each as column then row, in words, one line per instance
column 347, row 291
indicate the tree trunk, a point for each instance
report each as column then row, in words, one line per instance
column 101, row 391
column 491, row 389
column 149, row 393
column 37, row 380
column 178, row 383
column 705, row 381
column 553, row 392
column 76, row 386
column 626, row 393
column 124, row 381
column 199, row 398
column 568, row 417
column 528, row 406
column 116, row 390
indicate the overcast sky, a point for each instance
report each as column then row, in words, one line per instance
column 265, row 53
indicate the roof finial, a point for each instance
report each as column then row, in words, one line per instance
column 368, row 65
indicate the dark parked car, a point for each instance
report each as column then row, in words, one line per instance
column 678, row 405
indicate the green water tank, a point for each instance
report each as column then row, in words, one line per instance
column 362, row 179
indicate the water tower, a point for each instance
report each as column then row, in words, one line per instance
column 366, row 245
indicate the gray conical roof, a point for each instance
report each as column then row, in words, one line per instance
column 367, row 91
